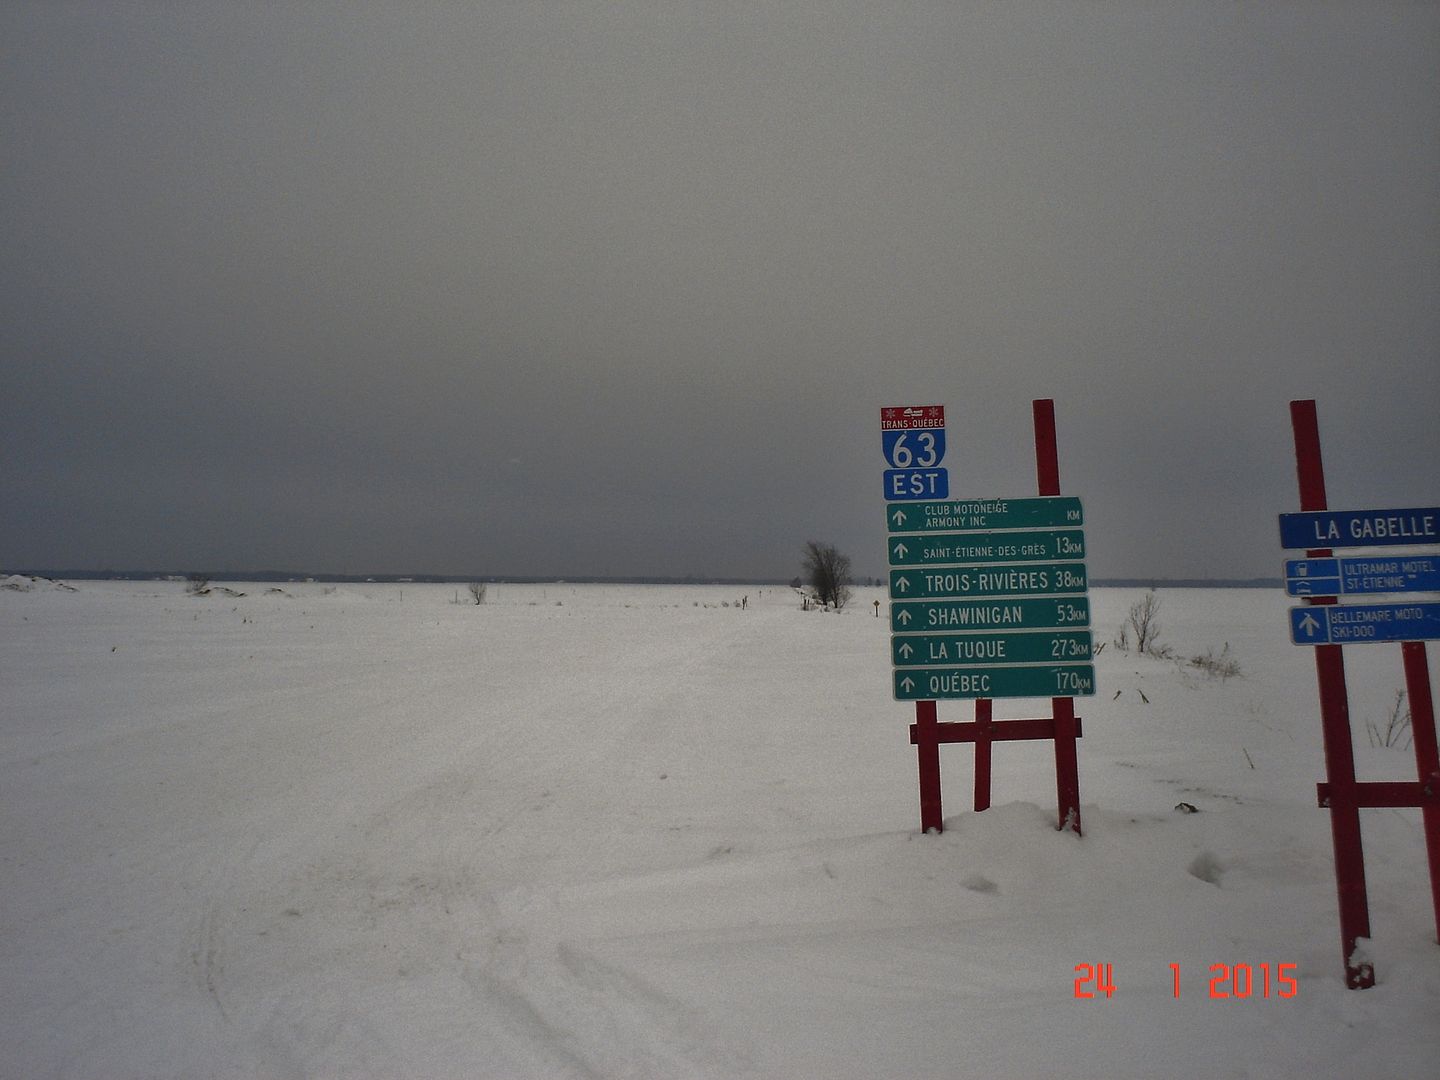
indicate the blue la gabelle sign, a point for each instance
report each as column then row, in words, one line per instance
column 1318, row 529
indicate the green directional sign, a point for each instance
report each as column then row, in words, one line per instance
column 984, row 515
column 1047, row 680
column 1013, row 614
column 977, row 581
column 942, row 548
column 990, row 649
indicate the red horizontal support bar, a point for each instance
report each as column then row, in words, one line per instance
column 995, row 731
column 1374, row 794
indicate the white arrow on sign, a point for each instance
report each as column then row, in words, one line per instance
column 908, row 683
column 901, row 550
column 903, row 618
column 1310, row 625
column 906, row 650
column 898, row 517
column 902, row 585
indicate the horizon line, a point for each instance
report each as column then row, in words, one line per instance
column 576, row 579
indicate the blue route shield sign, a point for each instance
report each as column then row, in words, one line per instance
column 923, row 449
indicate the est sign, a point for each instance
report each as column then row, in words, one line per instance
column 914, row 485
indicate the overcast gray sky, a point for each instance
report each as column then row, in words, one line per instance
column 620, row 288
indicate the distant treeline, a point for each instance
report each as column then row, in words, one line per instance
column 403, row 579
column 527, row 579
column 1188, row 583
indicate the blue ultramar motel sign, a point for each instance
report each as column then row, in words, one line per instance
column 1362, row 576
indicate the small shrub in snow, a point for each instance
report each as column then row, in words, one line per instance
column 1395, row 729
column 1223, row 666
column 20, row 583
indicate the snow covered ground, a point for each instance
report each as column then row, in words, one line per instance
column 595, row 831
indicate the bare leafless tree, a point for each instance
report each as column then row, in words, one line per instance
column 477, row 591
column 828, row 572
column 1145, row 621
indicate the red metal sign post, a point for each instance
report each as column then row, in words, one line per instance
column 1062, row 726
column 1335, row 725
column 1427, row 759
column 1067, row 729
column 1342, row 794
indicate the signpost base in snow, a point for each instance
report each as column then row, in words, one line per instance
column 927, row 735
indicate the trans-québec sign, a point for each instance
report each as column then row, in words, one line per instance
column 912, row 417
column 1360, row 528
